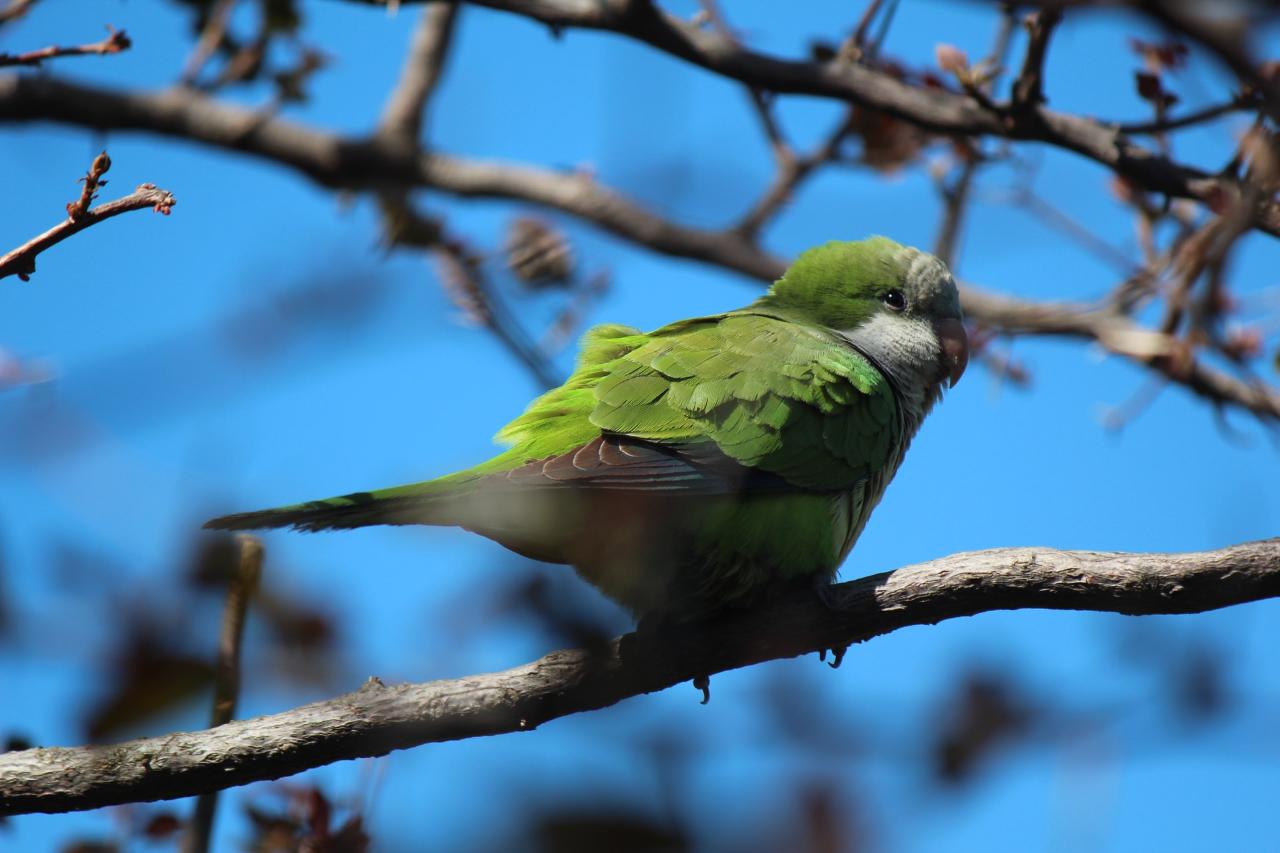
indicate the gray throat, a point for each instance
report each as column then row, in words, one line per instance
column 907, row 353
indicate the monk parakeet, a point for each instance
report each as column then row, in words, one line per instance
column 690, row 468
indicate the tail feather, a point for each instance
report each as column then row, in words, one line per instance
column 355, row 510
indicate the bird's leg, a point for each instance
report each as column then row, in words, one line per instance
column 825, row 590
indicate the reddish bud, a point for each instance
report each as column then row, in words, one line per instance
column 951, row 58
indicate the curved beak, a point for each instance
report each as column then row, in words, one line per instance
column 955, row 348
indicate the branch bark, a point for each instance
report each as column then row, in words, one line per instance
column 115, row 42
column 379, row 718
column 935, row 110
column 370, row 164
column 22, row 260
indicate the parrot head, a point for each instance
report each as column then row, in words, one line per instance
column 895, row 304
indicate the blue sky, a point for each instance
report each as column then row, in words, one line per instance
column 158, row 418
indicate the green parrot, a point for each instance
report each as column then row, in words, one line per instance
column 696, row 466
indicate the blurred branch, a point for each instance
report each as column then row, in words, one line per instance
column 379, row 718
column 461, row 273
column 1028, row 88
column 369, row 164
column 226, row 684
column 930, row 108
column 1120, row 335
column 15, row 9
column 214, row 31
column 362, row 164
column 22, row 260
column 1236, row 104
column 955, row 199
column 792, row 171
column 402, row 116
column 115, row 42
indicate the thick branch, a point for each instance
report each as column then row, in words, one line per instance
column 377, row 719
column 22, row 260
column 347, row 163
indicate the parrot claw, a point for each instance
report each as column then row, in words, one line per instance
column 837, row 656
column 703, row 683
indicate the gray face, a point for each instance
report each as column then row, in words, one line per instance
column 929, row 287
column 920, row 341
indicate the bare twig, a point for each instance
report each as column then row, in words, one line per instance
column 955, row 196
column 955, row 199
column 215, row 29
column 379, row 718
column 792, row 172
column 463, row 268
column 1201, row 116
column 1121, row 336
column 402, row 116
column 22, row 260
column 461, row 272
column 859, row 38
column 762, row 103
column 115, row 42
column 1028, row 89
column 226, row 684
column 1053, row 217
column 15, row 9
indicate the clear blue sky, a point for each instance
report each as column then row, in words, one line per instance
column 161, row 416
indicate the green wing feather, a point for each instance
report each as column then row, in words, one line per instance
column 776, row 396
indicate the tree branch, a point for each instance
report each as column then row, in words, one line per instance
column 402, row 116
column 932, row 109
column 363, row 164
column 22, row 260
column 15, row 9
column 226, row 685
column 367, row 164
column 377, row 718
column 115, row 42
column 1119, row 335
column 1028, row 88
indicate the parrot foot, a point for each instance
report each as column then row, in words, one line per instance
column 703, row 683
column 826, row 592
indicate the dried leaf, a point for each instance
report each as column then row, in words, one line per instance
column 538, row 254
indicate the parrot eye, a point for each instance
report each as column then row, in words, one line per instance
column 896, row 300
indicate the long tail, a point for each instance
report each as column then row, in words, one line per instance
column 421, row 503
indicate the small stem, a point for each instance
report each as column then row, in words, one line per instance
column 226, row 684
column 22, row 260
column 116, row 42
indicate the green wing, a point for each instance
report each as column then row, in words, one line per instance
column 772, row 395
